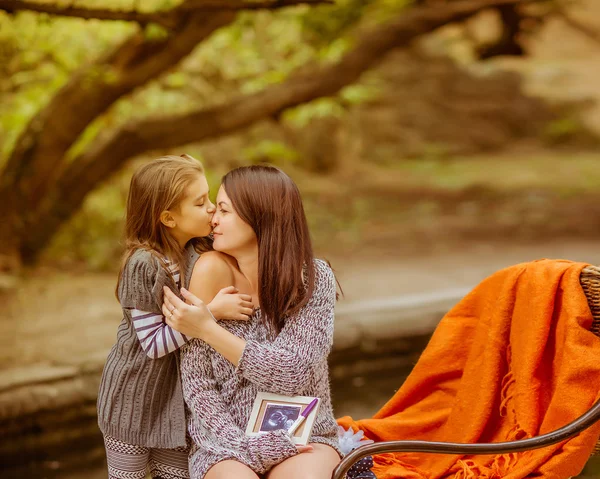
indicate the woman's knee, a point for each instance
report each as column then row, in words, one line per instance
column 316, row 464
column 229, row 469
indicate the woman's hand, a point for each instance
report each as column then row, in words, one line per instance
column 190, row 319
column 228, row 304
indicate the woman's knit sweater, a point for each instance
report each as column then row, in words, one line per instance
column 220, row 396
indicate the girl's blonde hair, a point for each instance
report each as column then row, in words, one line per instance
column 155, row 187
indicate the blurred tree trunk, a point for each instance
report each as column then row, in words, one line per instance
column 509, row 41
column 39, row 192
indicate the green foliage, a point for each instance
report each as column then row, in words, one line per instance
column 562, row 129
column 40, row 53
column 325, row 24
column 335, row 107
column 335, row 50
column 384, row 10
column 175, row 81
column 304, row 114
column 258, row 49
column 84, row 140
column 267, row 151
column 92, row 236
column 359, row 93
column 155, row 32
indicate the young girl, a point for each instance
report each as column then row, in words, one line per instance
column 141, row 411
column 283, row 349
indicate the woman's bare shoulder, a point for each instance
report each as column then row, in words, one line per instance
column 213, row 262
column 213, row 270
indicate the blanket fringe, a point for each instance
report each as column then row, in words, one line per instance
column 508, row 382
column 385, row 461
column 501, row 464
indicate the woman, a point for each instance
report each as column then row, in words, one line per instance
column 263, row 248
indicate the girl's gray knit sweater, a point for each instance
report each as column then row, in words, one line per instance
column 220, row 396
column 140, row 399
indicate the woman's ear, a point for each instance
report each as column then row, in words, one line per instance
column 166, row 218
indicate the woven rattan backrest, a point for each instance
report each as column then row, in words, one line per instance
column 590, row 282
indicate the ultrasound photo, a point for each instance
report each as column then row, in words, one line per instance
column 278, row 416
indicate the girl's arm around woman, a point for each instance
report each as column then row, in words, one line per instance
column 285, row 364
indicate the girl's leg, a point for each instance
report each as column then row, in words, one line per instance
column 230, row 469
column 125, row 461
column 316, row 464
column 169, row 463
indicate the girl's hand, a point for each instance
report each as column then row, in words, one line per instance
column 190, row 319
column 228, row 304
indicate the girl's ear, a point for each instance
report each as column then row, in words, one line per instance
column 166, row 218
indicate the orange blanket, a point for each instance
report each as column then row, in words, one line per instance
column 513, row 359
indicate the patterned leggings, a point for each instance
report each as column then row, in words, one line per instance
column 126, row 461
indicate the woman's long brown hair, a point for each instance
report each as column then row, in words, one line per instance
column 155, row 187
column 269, row 201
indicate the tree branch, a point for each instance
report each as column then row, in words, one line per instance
column 163, row 18
column 305, row 86
column 211, row 5
column 508, row 43
column 110, row 152
column 38, row 156
column 166, row 18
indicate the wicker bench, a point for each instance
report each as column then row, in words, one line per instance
column 590, row 283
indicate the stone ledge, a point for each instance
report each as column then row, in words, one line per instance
column 361, row 323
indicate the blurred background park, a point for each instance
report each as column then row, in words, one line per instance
column 434, row 142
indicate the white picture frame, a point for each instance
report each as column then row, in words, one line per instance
column 274, row 411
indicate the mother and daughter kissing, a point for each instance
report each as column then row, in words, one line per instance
column 220, row 302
